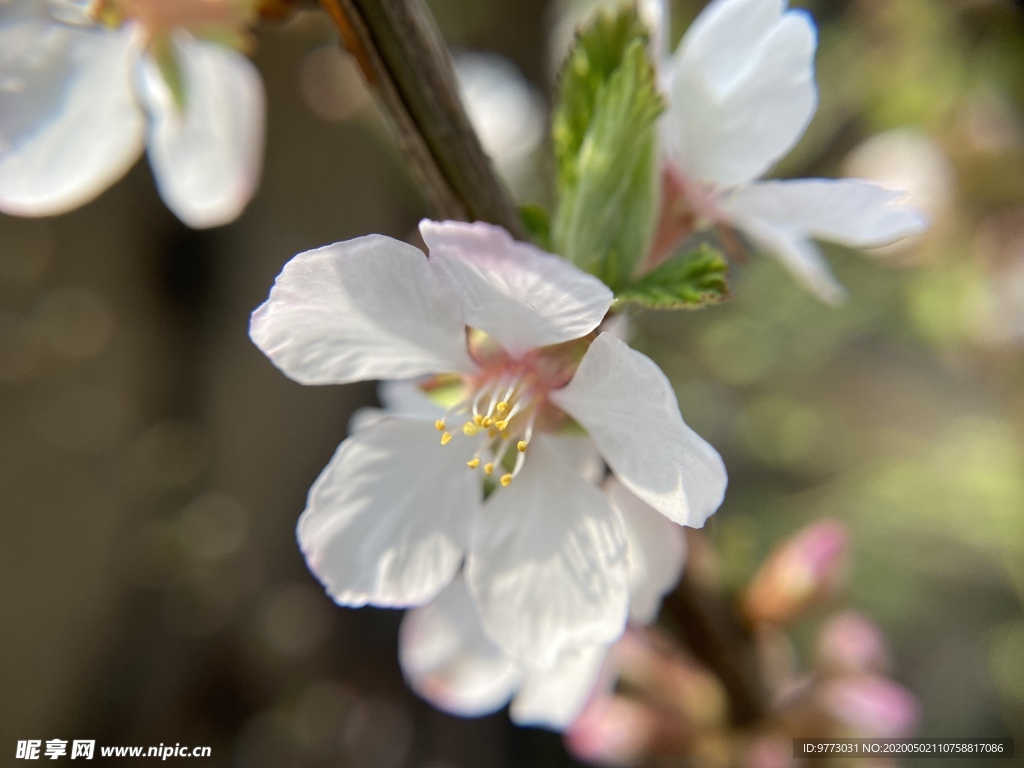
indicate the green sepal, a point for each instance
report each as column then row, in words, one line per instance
column 691, row 280
column 164, row 53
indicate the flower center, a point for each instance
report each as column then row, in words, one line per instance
column 500, row 412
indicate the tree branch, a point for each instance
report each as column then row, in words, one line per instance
column 403, row 57
column 715, row 635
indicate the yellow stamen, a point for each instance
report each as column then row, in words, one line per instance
column 501, row 425
column 446, row 438
column 505, row 435
column 502, row 407
column 488, row 468
column 469, row 428
column 440, row 425
column 521, row 445
column 478, row 419
column 473, row 463
column 487, row 422
column 506, row 480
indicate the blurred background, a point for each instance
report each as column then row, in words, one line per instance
column 153, row 463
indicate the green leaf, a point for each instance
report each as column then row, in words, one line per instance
column 690, row 280
column 537, row 223
column 605, row 149
column 595, row 55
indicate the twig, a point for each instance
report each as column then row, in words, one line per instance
column 714, row 633
column 403, row 57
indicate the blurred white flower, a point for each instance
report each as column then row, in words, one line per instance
column 505, row 110
column 391, row 518
column 741, row 93
column 449, row 660
column 79, row 101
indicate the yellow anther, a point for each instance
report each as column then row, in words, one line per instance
column 502, row 407
column 487, row 422
column 501, row 425
column 488, row 468
column 478, row 419
column 504, row 435
column 446, row 438
column 521, row 445
column 506, row 480
column 469, row 428
column 473, row 463
column 440, row 425
column 493, row 432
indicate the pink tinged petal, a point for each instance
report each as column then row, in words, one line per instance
column 657, row 552
column 520, row 295
column 448, row 660
column 207, row 158
column 69, row 123
column 547, row 563
column 627, row 405
column 742, row 90
column 387, row 520
column 554, row 698
column 361, row 309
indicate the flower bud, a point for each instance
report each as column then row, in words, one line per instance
column 870, row 706
column 616, row 731
column 850, row 642
column 799, row 574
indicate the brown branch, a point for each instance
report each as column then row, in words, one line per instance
column 403, row 57
column 714, row 633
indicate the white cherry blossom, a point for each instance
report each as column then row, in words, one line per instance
column 449, row 660
column 741, row 92
column 80, row 101
column 400, row 507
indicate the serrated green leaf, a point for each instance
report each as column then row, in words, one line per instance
column 690, row 280
column 537, row 223
column 605, row 147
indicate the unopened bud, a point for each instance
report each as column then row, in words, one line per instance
column 616, row 731
column 802, row 572
column 870, row 706
column 850, row 642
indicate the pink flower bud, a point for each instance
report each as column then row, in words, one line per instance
column 769, row 751
column 799, row 574
column 870, row 706
column 850, row 642
column 613, row 731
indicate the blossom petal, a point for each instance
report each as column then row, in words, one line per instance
column 742, row 90
column 448, row 660
column 657, row 551
column 799, row 255
column 207, row 158
column 850, row 212
column 69, row 123
column 361, row 309
column 627, row 405
column 554, row 698
column 547, row 563
column 513, row 291
column 387, row 520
